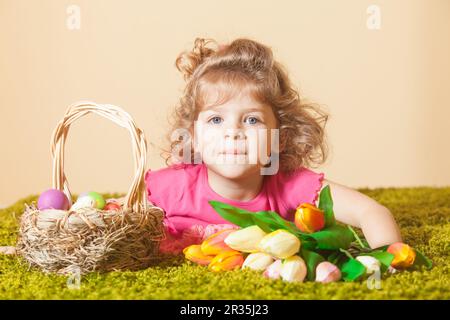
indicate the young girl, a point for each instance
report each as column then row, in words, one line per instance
column 232, row 92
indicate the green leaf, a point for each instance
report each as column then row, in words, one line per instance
column 312, row 259
column 276, row 221
column 384, row 257
column 326, row 205
column 333, row 238
column 352, row 270
column 238, row 216
column 422, row 260
column 334, row 257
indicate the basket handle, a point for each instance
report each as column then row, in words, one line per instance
column 136, row 197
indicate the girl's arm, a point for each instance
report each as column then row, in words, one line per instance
column 358, row 210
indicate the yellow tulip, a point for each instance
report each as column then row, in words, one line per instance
column 293, row 269
column 258, row 261
column 246, row 239
column 195, row 254
column 404, row 255
column 309, row 218
column 227, row 260
column 280, row 244
column 215, row 244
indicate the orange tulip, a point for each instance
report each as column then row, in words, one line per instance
column 309, row 218
column 404, row 255
column 227, row 260
column 195, row 254
column 215, row 244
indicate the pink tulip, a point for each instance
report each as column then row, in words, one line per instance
column 327, row 272
column 273, row 271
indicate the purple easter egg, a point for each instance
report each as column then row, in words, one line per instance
column 53, row 199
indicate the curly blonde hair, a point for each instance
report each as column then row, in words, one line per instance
column 247, row 63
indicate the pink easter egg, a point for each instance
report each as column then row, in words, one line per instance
column 53, row 199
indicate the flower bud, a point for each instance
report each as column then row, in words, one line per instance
column 245, row 240
column 273, row 271
column 327, row 272
column 280, row 244
column 195, row 254
column 258, row 261
column 215, row 244
column 372, row 264
column 309, row 218
column 404, row 255
column 226, row 260
column 293, row 269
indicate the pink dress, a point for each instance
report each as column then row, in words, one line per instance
column 183, row 192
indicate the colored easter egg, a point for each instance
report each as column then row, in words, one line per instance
column 53, row 199
column 112, row 206
column 99, row 200
column 89, row 200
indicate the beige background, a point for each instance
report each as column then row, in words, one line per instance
column 387, row 90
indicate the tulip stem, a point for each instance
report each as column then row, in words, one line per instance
column 357, row 237
column 348, row 254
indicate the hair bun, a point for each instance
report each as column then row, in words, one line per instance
column 188, row 61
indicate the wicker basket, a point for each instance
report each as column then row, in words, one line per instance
column 89, row 239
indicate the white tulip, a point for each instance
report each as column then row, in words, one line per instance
column 246, row 239
column 293, row 269
column 257, row 261
column 372, row 264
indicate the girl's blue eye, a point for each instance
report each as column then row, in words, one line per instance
column 252, row 120
column 215, row 118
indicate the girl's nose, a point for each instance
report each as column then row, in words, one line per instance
column 235, row 134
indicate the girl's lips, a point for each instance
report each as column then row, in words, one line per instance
column 233, row 152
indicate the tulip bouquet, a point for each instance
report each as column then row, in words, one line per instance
column 313, row 247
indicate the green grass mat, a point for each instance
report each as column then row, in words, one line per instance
column 422, row 213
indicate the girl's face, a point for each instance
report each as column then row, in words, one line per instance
column 234, row 138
